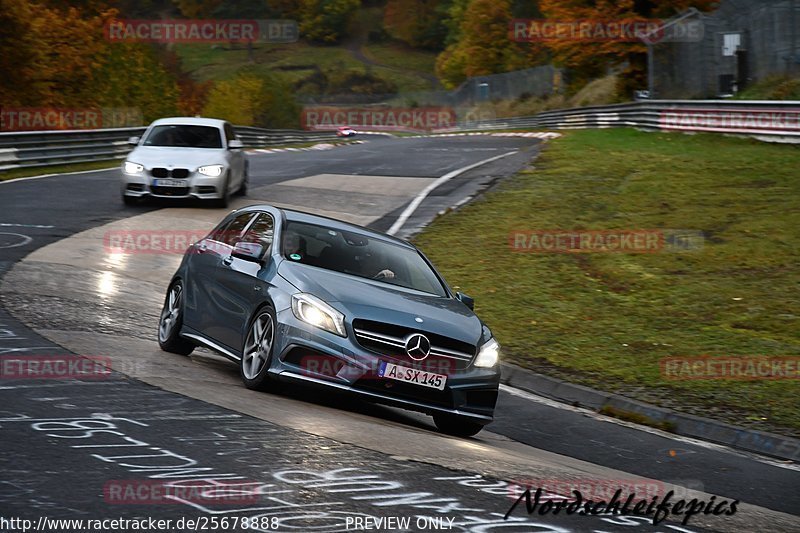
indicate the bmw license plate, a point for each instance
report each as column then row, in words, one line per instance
column 170, row 183
column 410, row 375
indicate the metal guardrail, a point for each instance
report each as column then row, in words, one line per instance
column 50, row 148
column 766, row 120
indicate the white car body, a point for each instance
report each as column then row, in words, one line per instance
column 185, row 157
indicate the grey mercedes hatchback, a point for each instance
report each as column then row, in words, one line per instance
column 304, row 298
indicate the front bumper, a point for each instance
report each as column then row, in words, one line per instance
column 198, row 186
column 309, row 355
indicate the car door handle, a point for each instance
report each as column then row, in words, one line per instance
column 201, row 248
column 228, row 260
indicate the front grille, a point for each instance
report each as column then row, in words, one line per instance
column 177, row 173
column 446, row 355
column 170, row 191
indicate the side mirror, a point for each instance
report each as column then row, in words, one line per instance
column 134, row 140
column 466, row 300
column 248, row 251
column 235, row 144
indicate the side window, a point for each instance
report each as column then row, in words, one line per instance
column 231, row 233
column 261, row 231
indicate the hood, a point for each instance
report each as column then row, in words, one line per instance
column 382, row 302
column 166, row 156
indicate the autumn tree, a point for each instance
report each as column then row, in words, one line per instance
column 198, row 9
column 131, row 75
column 250, row 100
column 325, row 21
column 587, row 60
column 19, row 53
column 63, row 54
column 419, row 23
column 56, row 56
column 483, row 46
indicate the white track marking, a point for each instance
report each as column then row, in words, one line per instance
column 427, row 190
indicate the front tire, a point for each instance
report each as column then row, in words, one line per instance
column 171, row 321
column 225, row 199
column 456, row 426
column 257, row 350
column 129, row 200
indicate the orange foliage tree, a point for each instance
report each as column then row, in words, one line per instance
column 587, row 59
column 484, row 46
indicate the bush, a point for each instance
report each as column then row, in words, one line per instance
column 248, row 100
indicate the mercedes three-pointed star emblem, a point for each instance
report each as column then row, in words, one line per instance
column 418, row 347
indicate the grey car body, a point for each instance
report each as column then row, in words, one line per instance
column 185, row 157
column 240, row 291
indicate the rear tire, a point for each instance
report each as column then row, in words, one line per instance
column 257, row 350
column 171, row 321
column 456, row 426
column 245, row 182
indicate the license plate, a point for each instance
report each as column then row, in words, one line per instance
column 170, row 183
column 410, row 375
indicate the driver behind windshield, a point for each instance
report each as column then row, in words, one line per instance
column 371, row 262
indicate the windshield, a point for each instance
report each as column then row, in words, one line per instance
column 185, row 136
column 359, row 255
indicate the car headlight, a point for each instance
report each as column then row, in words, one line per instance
column 132, row 168
column 488, row 355
column 314, row 311
column 212, row 171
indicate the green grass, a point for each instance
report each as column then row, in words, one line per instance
column 38, row 171
column 291, row 63
column 401, row 56
column 606, row 320
column 773, row 88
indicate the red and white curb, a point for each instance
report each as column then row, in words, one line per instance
column 316, row 147
column 544, row 135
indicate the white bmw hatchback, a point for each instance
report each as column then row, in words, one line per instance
column 185, row 157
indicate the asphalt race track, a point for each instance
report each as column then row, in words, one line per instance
column 309, row 461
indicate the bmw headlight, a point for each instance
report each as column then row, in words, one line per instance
column 314, row 311
column 212, row 171
column 132, row 168
column 488, row 354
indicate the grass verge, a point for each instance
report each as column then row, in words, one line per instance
column 607, row 320
column 60, row 169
